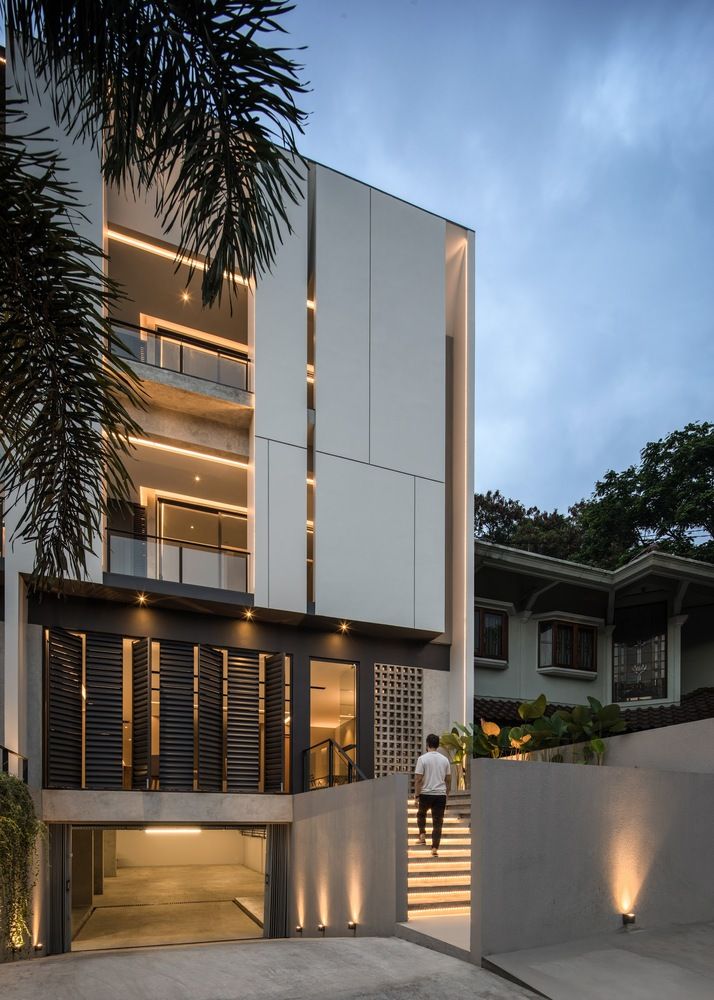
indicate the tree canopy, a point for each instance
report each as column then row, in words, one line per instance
column 666, row 501
column 186, row 101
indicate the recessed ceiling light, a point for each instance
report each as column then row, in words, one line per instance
column 185, row 297
column 197, row 479
column 141, row 599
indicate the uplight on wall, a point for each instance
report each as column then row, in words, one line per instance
column 628, row 919
column 352, row 926
column 321, row 929
column 298, row 929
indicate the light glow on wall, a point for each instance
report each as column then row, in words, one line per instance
column 133, row 241
column 175, row 450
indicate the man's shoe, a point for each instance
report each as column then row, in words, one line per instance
column 434, row 852
column 421, row 839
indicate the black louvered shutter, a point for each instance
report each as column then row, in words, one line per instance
column 210, row 719
column 140, row 713
column 64, row 710
column 243, row 728
column 277, row 861
column 176, row 716
column 274, row 722
column 103, row 726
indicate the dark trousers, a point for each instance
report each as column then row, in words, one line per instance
column 437, row 805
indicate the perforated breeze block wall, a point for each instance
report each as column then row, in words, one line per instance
column 398, row 693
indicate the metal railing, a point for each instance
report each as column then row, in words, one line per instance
column 13, row 763
column 326, row 764
column 181, row 353
column 176, row 560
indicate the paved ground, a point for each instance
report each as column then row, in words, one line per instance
column 171, row 904
column 639, row 964
column 344, row 968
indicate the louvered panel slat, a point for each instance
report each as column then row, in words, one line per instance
column 64, row 710
column 274, row 722
column 243, row 727
column 176, row 716
column 103, row 726
column 141, row 708
column 210, row 719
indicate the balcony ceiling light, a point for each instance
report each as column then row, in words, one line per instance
column 158, row 251
column 160, row 446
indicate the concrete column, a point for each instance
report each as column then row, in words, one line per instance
column 110, row 853
column 98, row 862
column 82, row 865
column 607, row 663
column 674, row 656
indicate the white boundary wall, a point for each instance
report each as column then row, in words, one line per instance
column 561, row 850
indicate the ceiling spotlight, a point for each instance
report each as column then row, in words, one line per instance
column 185, row 297
column 344, row 627
column 197, row 479
column 141, row 599
column 248, row 614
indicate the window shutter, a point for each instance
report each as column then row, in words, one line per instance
column 176, row 716
column 103, row 724
column 210, row 719
column 274, row 722
column 140, row 713
column 64, row 710
column 243, row 726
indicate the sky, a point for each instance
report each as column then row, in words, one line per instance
column 577, row 139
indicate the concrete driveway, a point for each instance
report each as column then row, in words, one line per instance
column 344, row 968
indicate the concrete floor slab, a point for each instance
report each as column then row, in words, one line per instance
column 348, row 968
column 448, row 933
column 640, row 964
column 171, row 904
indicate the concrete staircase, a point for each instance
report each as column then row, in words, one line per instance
column 443, row 884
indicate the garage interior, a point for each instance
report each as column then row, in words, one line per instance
column 166, row 885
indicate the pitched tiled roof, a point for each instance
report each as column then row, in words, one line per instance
column 694, row 706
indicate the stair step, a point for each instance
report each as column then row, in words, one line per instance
column 433, row 865
column 424, row 909
column 448, row 853
column 446, row 842
column 440, row 888
column 440, row 896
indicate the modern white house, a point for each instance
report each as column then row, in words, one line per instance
column 640, row 635
column 286, row 601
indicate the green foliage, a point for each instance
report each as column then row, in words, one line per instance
column 187, row 102
column 665, row 501
column 547, row 734
column 58, row 375
column 19, row 831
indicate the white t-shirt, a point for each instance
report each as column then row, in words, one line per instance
column 434, row 766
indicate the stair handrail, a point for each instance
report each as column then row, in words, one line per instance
column 354, row 772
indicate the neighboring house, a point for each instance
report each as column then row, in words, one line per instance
column 285, row 601
column 641, row 635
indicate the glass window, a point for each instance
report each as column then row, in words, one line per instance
column 567, row 645
column 491, row 634
column 639, row 653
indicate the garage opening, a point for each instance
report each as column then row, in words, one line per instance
column 166, row 885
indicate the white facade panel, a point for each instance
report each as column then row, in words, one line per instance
column 281, row 338
column 260, row 521
column 364, row 542
column 287, row 535
column 407, row 348
column 342, row 208
column 429, row 553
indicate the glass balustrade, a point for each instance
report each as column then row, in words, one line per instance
column 186, row 355
column 176, row 560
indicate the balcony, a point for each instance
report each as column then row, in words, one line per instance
column 177, row 560
column 183, row 354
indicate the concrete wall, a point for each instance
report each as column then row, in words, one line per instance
column 65, row 806
column 561, row 850
column 348, row 858
column 135, row 848
column 689, row 747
